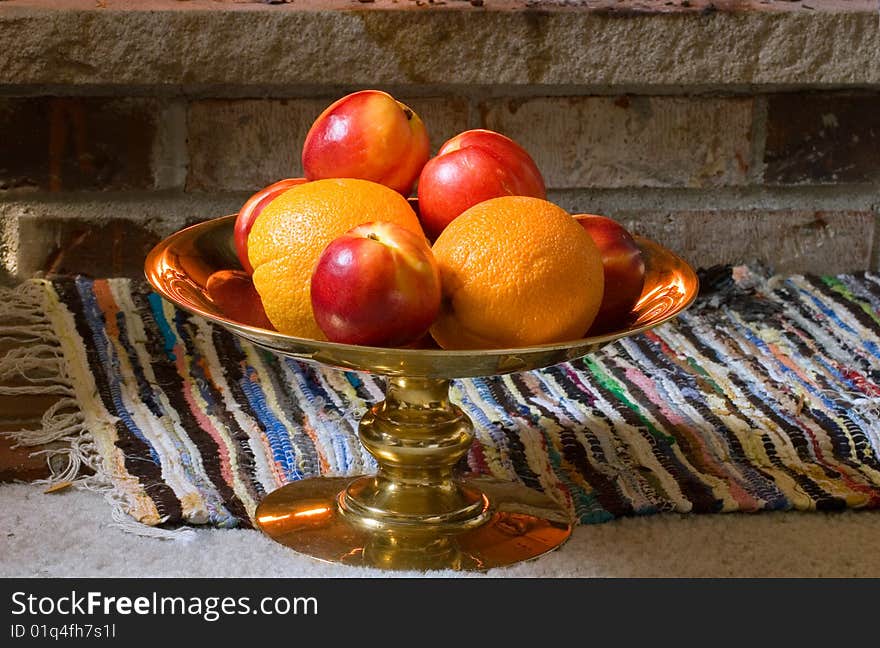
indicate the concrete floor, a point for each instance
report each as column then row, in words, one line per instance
column 68, row 534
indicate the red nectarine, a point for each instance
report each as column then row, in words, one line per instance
column 624, row 270
column 249, row 212
column 367, row 135
column 377, row 285
column 474, row 166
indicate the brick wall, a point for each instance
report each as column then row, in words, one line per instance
column 91, row 175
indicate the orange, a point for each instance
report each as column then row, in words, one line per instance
column 516, row 272
column 290, row 234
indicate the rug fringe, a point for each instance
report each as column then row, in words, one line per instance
column 37, row 359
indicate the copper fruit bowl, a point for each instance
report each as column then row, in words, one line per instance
column 416, row 512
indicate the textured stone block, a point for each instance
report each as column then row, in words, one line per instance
column 338, row 42
column 69, row 143
column 784, row 241
column 247, row 144
column 630, row 141
column 822, row 138
column 89, row 238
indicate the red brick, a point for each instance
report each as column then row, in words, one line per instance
column 822, row 139
column 70, row 143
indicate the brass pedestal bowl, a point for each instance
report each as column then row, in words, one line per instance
column 416, row 512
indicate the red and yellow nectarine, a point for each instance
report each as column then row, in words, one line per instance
column 474, row 166
column 367, row 135
column 248, row 213
column 378, row 285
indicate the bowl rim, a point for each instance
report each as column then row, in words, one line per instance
column 167, row 244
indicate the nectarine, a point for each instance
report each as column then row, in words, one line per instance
column 377, row 285
column 367, row 135
column 249, row 212
column 474, row 166
column 624, row 270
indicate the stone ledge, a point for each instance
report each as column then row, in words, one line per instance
column 103, row 235
column 596, row 45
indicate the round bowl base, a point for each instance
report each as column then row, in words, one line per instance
column 524, row 524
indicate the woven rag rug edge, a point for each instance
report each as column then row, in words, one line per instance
column 49, row 357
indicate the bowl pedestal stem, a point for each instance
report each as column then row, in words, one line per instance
column 417, row 436
column 417, row 512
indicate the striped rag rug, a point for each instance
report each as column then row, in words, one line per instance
column 765, row 395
